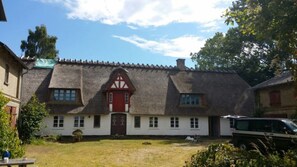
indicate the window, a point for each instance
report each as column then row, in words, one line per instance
column 110, row 97
column 96, row 121
column 79, row 121
column 65, row 95
column 6, row 79
column 275, row 98
column 153, row 122
column 58, row 121
column 189, row 99
column 127, row 98
column 174, row 123
column 194, row 123
column 137, row 122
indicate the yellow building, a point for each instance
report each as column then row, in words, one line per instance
column 276, row 97
column 11, row 70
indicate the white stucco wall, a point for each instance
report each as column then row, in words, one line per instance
column 104, row 129
column 164, row 126
column 68, row 128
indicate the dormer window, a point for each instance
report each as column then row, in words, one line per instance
column 187, row 99
column 66, row 95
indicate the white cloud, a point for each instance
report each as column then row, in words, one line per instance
column 180, row 47
column 146, row 13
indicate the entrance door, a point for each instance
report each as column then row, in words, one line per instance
column 214, row 126
column 119, row 101
column 118, row 124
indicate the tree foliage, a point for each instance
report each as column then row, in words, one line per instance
column 9, row 139
column 30, row 119
column 39, row 44
column 272, row 20
column 244, row 54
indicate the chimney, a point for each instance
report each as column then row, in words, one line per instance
column 180, row 63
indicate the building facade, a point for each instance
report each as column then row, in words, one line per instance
column 11, row 68
column 276, row 97
column 135, row 99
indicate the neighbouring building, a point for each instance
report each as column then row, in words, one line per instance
column 102, row 98
column 11, row 68
column 2, row 13
column 276, row 97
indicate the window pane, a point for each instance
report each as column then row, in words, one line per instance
column 82, row 121
column 76, row 121
column 151, row 122
column 96, row 121
column 137, row 121
column 55, row 124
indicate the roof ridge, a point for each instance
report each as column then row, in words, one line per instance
column 130, row 65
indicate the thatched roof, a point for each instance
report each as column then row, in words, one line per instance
column 284, row 78
column 156, row 89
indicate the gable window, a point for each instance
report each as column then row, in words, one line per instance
column 58, row 121
column 194, row 122
column 275, row 98
column 174, row 122
column 189, row 99
column 6, row 77
column 79, row 121
column 153, row 122
column 96, row 121
column 65, row 95
column 137, row 122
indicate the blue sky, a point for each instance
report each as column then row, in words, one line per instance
column 127, row 31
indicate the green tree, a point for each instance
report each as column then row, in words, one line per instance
column 273, row 20
column 234, row 51
column 31, row 118
column 9, row 139
column 39, row 44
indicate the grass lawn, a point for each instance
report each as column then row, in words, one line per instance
column 123, row 152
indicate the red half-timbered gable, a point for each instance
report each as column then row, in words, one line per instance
column 119, row 90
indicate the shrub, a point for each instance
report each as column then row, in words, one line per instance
column 9, row 138
column 226, row 155
column 77, row 135
column 30, row 119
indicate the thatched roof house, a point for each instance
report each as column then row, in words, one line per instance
column 152, row 90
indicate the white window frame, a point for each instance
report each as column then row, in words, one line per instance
column 174, row 122
column 153, row 122
column 58, row 121
column 194, row 123
column 79, row 121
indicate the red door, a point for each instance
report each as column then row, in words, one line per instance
column 119, row 101
column 118, row 124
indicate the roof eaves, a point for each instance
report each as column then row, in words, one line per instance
column 14, row 56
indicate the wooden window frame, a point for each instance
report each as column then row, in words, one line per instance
column 190, row 99
column 58, row 121
column 194, row 123
column 6, row 76
column 137, row 121
column 97, row 121
column 153, row 122
column 65, row 95
column 174, row 122
column 79, row 121
column 275, row 98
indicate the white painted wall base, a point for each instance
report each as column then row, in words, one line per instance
column 162, row 129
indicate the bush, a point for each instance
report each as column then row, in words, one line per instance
column 77, row 135
column 226, row 155
column 30, row 119
column 9, row 137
